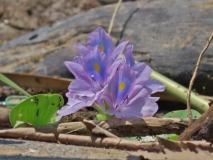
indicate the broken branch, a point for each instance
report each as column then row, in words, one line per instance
column 127, row 127
column 201, row 128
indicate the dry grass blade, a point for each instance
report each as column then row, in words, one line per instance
column 113, row 16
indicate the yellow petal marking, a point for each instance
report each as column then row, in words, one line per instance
column 121, row 86
column 97, row 67
column 101, row 47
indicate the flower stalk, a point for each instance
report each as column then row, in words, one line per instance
column 180, row 92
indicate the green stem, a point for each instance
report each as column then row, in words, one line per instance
column 98, row 108
column 102, row 115
column 180, row 92
column 12, row 84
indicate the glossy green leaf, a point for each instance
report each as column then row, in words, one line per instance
column 36, row 110
column 182, row 114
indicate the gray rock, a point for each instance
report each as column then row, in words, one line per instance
column 169, row 35
column 31, row 150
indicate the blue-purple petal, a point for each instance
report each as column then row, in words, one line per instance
column 77, row 70
column 117, row 52
column 78, row 59
column 149, row 108
column 130, row 60
column 96, row 66
column 81, row 88
column 122, row 83
column 101, row 39
column 155, row 85
column 138, row 68
column 144, row 75
column 83, row 50
column 72, row 106
column 113, row 68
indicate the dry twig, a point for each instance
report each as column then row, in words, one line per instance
column 120, row 127
column 194, row 76
column 201, row 128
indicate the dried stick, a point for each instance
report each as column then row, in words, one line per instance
column 194, row 76
column 124, row 127
column 121, row 127
column 107, row 142
column 113, row 16
column 79, row 140
column 201, row 128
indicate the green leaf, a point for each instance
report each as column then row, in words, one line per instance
column 36, row 110
column 182, row 114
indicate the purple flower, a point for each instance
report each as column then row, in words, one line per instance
column 92, row 74
column 99, row 38
column 93, row 70
column 130, row 90
column 100, row 76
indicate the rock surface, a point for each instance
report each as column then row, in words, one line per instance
column 169, row 35
column 31, row 150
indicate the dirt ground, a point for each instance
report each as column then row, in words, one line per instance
column 18, row 17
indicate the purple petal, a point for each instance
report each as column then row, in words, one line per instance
column 83, row 50
column 81, row 88
column 138, row 68
column 126, row 112
column 133, row 107
column 149, row 108
column 76, row 103
column 144, row 75
column 72, row 106
column 101, row 39
column 113, row 68
column 122, row 83
column 96, row 65
column 140, row 96
column 118, row 50
column 139, row 108
column 130, row 60
column 77, row 70
column 105, row 96
column 155, row 85
column 78, row 60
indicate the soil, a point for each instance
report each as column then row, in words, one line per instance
column 22, row 16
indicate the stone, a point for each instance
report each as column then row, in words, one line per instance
column 168, row 35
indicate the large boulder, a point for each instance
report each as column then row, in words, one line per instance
column 169, row 35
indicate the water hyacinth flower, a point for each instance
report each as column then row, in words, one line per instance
column 99, row 38
column 93, row 70
column 101, row 76
column 127, row 97
column 130, row 89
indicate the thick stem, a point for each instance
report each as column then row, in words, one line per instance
column 180, row 92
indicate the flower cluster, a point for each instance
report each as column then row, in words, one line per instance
column 102, row 77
